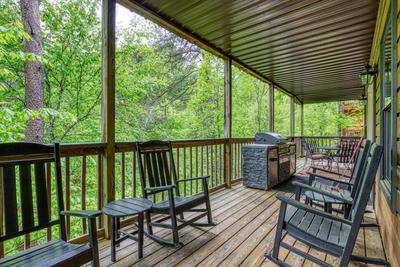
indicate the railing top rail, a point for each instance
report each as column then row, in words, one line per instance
column 243, row 140
column 131, row 146
column 96, row 148
column 84, row 149
column 81, row 149
column 326, row 137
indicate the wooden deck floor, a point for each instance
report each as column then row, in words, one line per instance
column 246, row 227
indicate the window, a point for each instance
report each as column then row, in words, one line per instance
column 388, row 103
column 386, row 147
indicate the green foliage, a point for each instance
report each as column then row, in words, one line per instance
column 12, row 57
column 167, row 88
column 282, row 113
column 250, row 104
column 72, row 48
column 324, row 119
column 206, row 108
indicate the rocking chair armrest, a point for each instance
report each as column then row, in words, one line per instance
column 322, row 192
column 329, row 171
column 313, row 175
column 88, row 214
column 157, row 189
column 204, row 178
column 302, row 206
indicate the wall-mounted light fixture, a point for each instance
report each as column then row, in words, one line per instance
column 367, row 75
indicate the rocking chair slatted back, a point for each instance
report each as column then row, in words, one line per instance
column 360, row 164
column 346, row 151
column 156, row 164
column 22, row 169
column 366, row 183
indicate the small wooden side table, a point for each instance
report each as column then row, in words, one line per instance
column 123, row 208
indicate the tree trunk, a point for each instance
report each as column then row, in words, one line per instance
column 34, row 70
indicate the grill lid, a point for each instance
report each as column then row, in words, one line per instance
column 270, row 138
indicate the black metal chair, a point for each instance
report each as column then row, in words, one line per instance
column 158, row 174
column 324, row 231
column 20, row 163
column 312, row 154
column 324, row 186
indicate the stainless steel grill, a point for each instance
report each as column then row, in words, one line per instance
column 286, row 152
column 268, row 162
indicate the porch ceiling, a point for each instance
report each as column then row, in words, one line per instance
column 314, row 49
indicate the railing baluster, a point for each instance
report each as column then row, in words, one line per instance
column 197, row 168
column 240, row 160
column 99, row 176
column 217, row 156
column 83, row 193
column 221, row 164
column 177, row 166
column 68, row 194
column 212, row 166
column 184, row 171
column 207, row 167
column 48, row 185
column 123, row 174
column 237, row 161
column 201, row 164
column 134, row 181
column 191, row 169
column 217, row 164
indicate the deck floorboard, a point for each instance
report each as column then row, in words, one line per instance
column 245, row 232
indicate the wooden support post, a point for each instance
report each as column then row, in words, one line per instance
column 373, row 121
column 365, row 119
column 271, row 108
column 108, row 104
column 228, row 121
column 302, row 128
column 292, row 118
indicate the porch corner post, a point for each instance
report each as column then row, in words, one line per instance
column 302, row 128
column 108, row 105
column 292, row 119
column 228, row 121
column 271, row 108
column 373, row 123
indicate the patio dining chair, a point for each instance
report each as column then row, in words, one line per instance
column 158, row 174
column 23, row 168
column 345, row 189
column 312, row 153
column 324, row 231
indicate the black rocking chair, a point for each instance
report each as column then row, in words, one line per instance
column 324, row 231
column 19, row 164
column 329, row 190
column 158, row 175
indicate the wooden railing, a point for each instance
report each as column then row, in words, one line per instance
column 82, row 169
column 83, row 175
column 320, row 140
column 83, row 179
column 192, row 158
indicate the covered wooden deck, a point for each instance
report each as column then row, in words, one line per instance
column 246, row 221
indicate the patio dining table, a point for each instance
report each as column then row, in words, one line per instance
column 330, row 152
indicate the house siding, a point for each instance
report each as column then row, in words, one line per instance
column 389, row 222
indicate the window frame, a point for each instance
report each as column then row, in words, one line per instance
column 389, row 184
